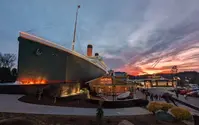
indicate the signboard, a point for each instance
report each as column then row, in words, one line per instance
column 106, row 80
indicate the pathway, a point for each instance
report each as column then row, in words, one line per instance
column 10, row 103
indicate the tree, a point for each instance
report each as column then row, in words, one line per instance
column 14, row 72
column 40, row 93
column 7, row 60
column 100, row 113
column 57, row 90
column 5, row 75
column 6, row 63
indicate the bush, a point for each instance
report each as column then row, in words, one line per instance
column 85, row 91
column 166, row 106
column 180, row 113
column 154, row 106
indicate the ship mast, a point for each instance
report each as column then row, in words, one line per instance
column 74, row 35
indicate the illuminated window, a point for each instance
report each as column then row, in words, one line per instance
column 170, row 84
column 160, row 83
column 154, row 84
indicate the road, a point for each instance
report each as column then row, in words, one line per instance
column 190, row 100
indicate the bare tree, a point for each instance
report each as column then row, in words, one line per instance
column 40, row 93
column 1, row 58
column 57, row 93
column 7, row 60
column 14, row 72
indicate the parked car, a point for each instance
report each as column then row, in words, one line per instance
column 178, row 89
column 193, row 93
column 185, row 91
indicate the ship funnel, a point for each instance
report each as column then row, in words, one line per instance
column 89, row 50
column 96, row 54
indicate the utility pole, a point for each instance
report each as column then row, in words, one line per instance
column 174, row 71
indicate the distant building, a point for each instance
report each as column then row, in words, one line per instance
column 158, row 81
column 108, row 85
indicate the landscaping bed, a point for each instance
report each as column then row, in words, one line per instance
column 35, row 119
column 83, row 102
column 75, row 102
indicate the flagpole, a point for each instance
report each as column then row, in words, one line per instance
column 74, row 35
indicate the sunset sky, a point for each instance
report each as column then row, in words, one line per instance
column 131, row 35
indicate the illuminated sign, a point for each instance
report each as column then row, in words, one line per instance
column 106, row 80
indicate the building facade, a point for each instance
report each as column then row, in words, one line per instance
column 158, row 81
column 109, row 85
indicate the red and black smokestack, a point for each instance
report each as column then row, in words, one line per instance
column 89, row 50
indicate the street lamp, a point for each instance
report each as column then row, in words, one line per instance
column 113, row 88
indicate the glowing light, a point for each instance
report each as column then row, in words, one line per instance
column 30, row 81
column 106, row 80
column 43, row 82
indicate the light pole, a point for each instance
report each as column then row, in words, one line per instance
column 113, row 88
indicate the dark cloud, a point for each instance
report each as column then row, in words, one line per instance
column 130, row 35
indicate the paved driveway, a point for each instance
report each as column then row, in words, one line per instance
column 10, row 103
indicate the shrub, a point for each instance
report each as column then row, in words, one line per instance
column 166, row 106
column 84, row 90
column 154, row 106
column 180, row 113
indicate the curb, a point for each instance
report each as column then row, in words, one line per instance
column 189, row 105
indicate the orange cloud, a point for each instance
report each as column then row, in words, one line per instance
column 186, row 59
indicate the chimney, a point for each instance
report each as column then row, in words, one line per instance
column 89, row 50
column 96, row 54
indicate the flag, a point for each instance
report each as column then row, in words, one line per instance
column 78, row 6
